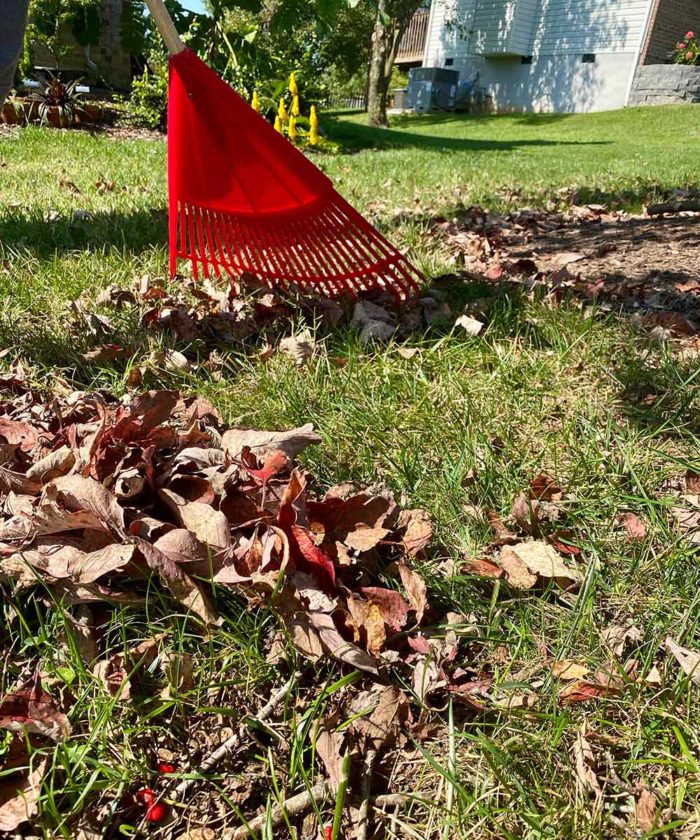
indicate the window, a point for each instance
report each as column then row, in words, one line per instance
column 588, row 58
column 526, row 59
column 449, row 62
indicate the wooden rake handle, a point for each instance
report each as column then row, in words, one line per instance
column 165, row 25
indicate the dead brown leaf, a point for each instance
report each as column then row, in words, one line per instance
column 635, row 529
column 688, row 659
column 645, row 810
column 260, row 443
column 19, row 796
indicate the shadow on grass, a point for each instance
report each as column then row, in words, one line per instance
column 44, row 237
column 355, row 137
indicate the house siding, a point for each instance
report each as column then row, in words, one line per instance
column 556, row 33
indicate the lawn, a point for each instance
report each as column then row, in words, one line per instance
column 459, row 428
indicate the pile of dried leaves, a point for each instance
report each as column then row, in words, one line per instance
column 101, row 497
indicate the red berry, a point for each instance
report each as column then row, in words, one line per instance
column 155, row 812
column 166, row 767
column 145, row 796
column 328, row 832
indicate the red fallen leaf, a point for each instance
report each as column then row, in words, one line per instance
column 419, row 644
column 636, row 529
column 481, row 567
column 581, row 691
column 19, row 434
column 392, row 606
column 565, row 548
column 501, row 532
column 313, row 558
column 544, row 488
column 273, row 464
column 31, row 708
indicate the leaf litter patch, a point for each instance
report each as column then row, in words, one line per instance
column 103, row 500
column 610, row 260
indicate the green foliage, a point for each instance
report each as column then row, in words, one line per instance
column 48, row 20
column 147, row 104
column 687, row 50
column 134, row 29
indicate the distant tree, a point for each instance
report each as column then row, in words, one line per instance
column 391, row 21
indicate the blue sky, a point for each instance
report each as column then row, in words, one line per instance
column 193, row 5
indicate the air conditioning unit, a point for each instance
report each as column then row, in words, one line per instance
column 432, row 89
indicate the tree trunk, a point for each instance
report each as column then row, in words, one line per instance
column 378, row 82
column 386, row 39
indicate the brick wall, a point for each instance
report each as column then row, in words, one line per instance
column 113, row 63
column 671, row 19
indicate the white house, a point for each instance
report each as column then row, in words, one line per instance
column 555, row 55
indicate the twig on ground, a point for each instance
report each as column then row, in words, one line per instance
column 231, row 743
column 364, row 816
column 292, row 807
column 674, row 206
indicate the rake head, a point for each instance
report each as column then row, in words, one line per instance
column 244, row 199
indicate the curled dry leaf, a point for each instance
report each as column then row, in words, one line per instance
column 329, row 746
column 418, row 530
column 19, row 796
column 291, row 442
column 517, row 573
column 299, row 347
column 617, row 636
column 32, row 710
column 645, row 810
column 567, row 669
column 580, row 691
column 471, row 326
column 584, row 760
column 379, row 715
column 689, row 660
column 542, row 560
column 633, row 526
column 416, row 589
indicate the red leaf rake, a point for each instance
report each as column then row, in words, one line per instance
column 242, row 198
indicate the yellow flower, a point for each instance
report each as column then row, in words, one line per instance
column 292, row 130
column 293, row 89
column 313, row 130
column 278, row 124
column 255, row 102
column 295, row 105
column 282, row 111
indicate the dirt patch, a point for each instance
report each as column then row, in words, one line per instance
column 631, row 262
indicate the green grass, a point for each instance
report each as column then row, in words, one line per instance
column 460, row 428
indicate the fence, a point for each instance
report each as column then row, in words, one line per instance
column 352, row 102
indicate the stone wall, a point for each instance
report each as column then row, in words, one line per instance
column 665, row 84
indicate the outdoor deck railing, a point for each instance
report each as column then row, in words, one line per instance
column 413, row 42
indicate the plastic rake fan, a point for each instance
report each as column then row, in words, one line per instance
column 242, row 198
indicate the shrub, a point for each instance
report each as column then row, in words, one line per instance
column 147, row 104
column 687, row 50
